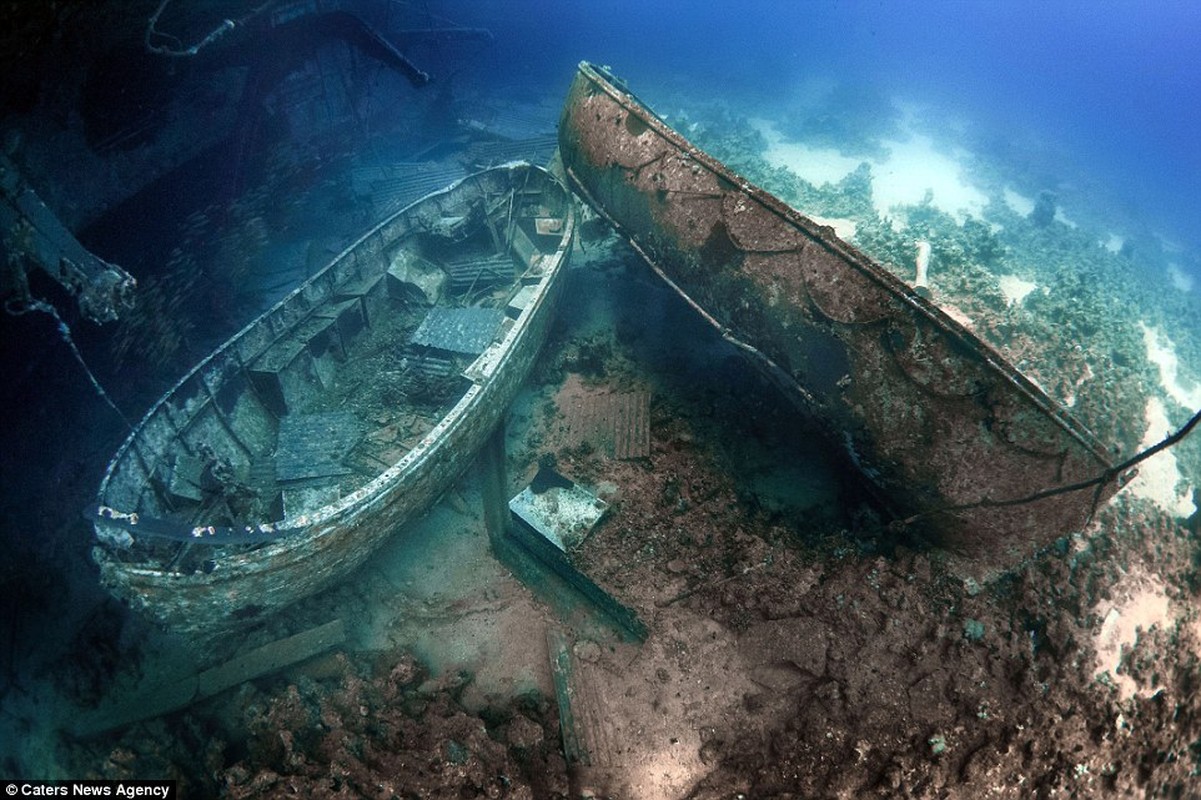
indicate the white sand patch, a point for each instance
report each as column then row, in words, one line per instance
column 1159, row 475
column 915, row 166
column 844, row 228
column 1023, row 205
column 1139, row 602
column 912, row 167
column 1114, row 243
column 817, row 165
column 1015, row 289
column 1180, row 279
column 1162, row 354
column 1020, row 203
column 1064, row 219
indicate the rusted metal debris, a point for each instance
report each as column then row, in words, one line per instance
column 543, row 527
column 939, row 423
column 35, row 238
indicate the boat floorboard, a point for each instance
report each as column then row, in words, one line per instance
column 613, row 422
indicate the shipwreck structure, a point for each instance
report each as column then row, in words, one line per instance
column 938, row 423
column 292, row 452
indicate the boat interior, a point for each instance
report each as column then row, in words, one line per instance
column 325, row 392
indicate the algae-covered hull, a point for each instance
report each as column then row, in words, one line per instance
column 288, row 456
column 936, row 420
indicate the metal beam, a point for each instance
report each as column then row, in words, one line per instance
column 34, row 237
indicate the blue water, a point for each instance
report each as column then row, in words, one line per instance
column 1099, row 101
column 1114, row 88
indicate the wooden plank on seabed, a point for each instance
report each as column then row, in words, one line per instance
column 559, row 649
column 154, row 701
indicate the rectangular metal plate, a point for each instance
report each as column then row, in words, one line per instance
column 459, row 330
column 561, row 510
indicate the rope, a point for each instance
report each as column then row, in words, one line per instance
column 1099, row 481
column 64, row 331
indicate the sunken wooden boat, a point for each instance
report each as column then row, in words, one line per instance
column 939, row 423
column 284, row 459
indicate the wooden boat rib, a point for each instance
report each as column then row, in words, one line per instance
column 939, row 423
column 285, row 458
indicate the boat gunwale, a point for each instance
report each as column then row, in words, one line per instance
column 286, row 534
column 862, row 263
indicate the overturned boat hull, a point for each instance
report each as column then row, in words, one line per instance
column 288, row 456
column 940, row 425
